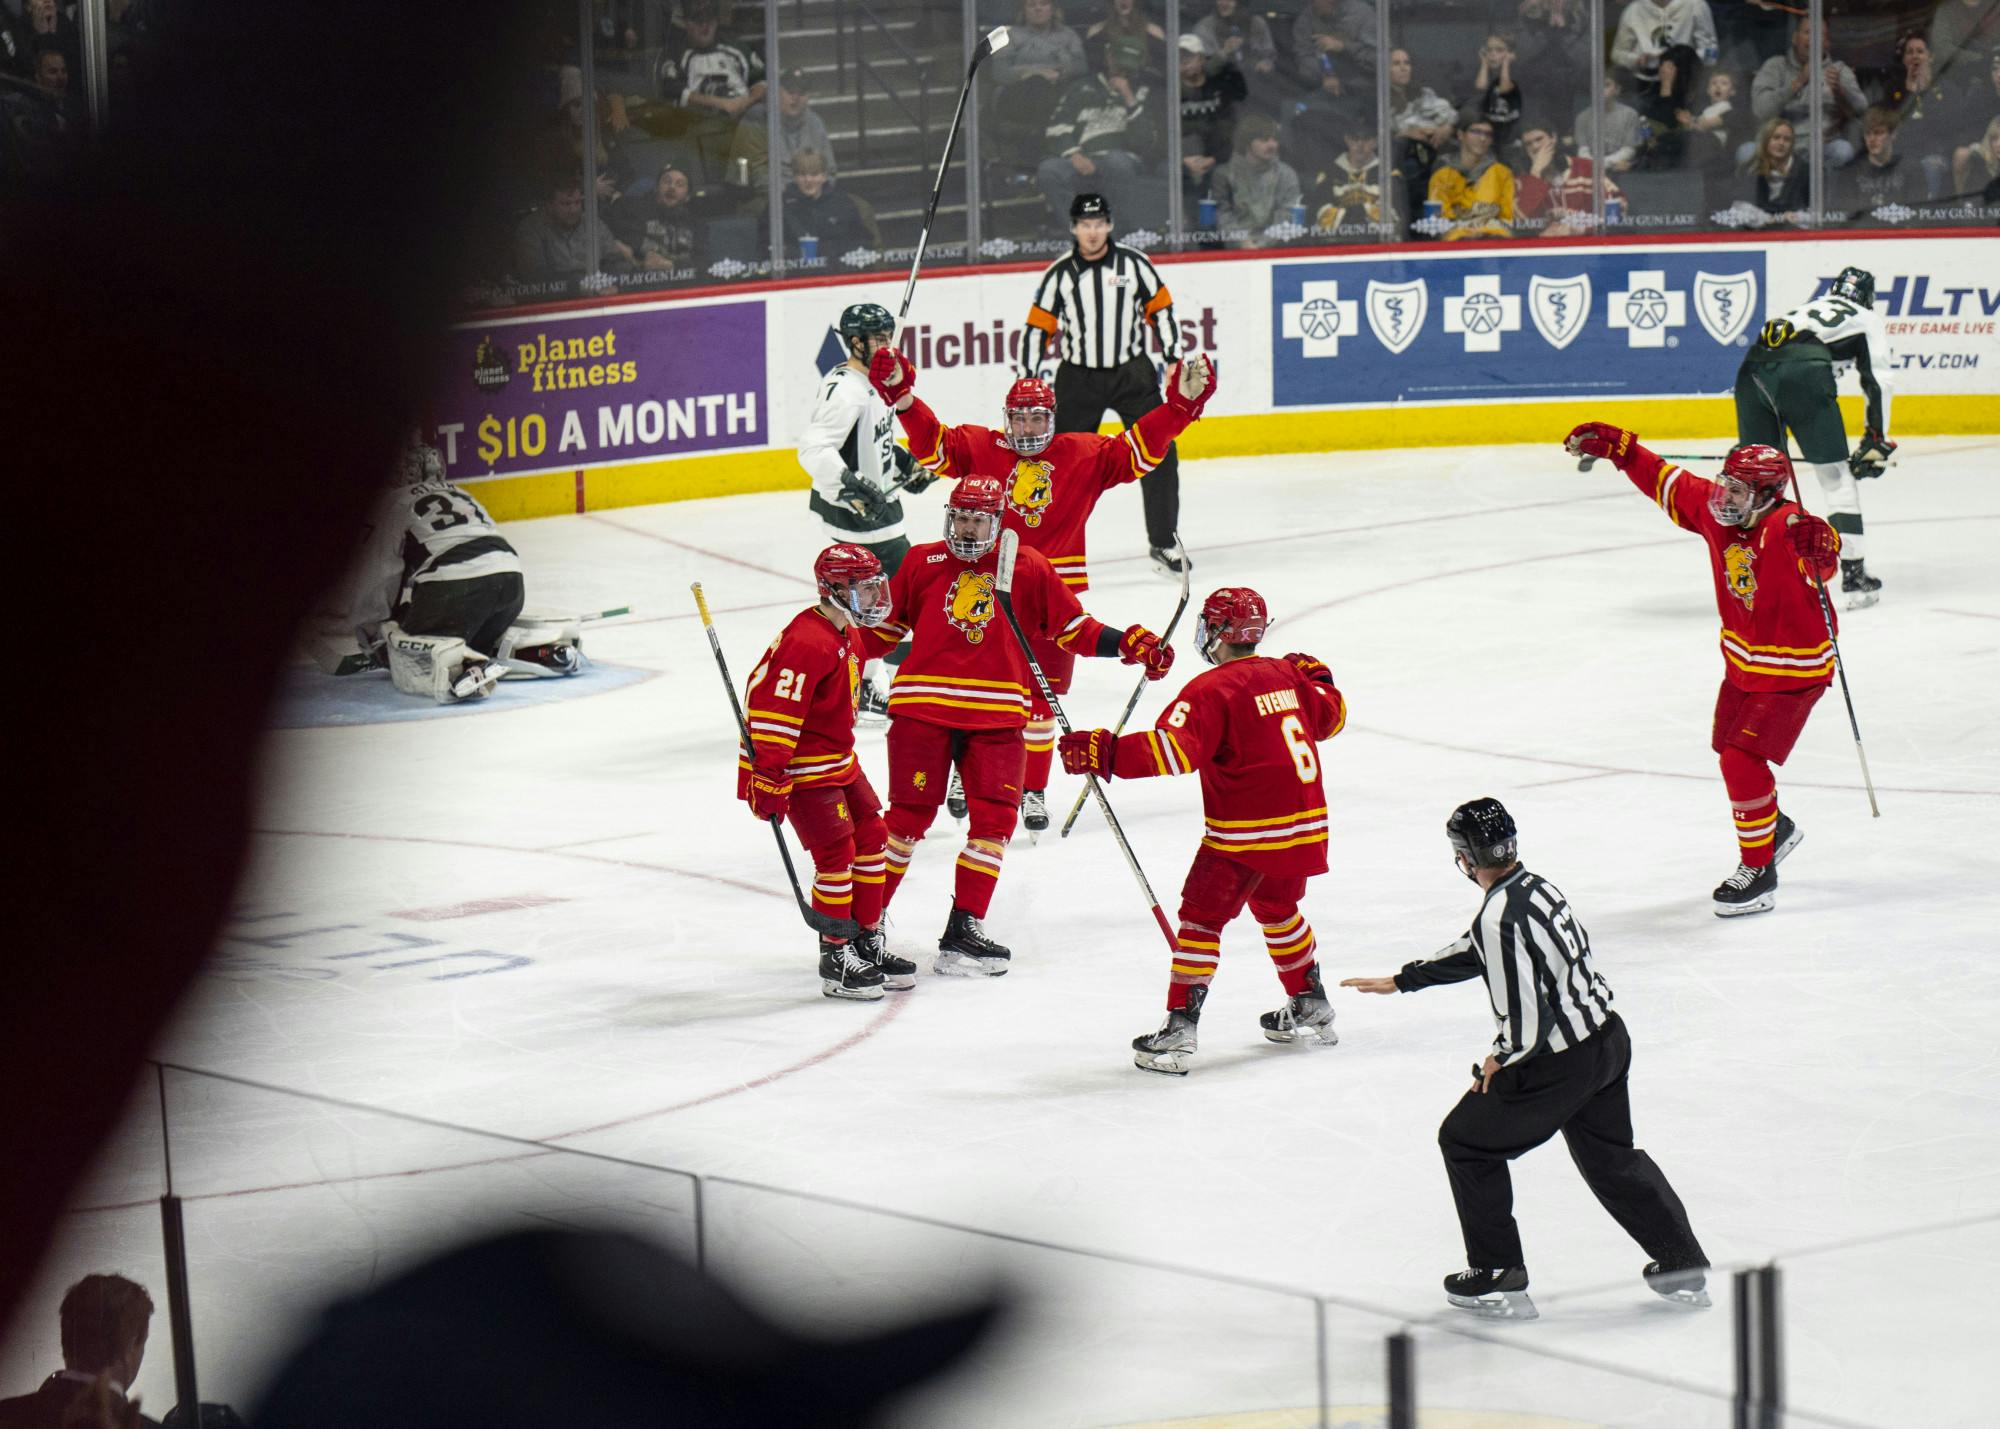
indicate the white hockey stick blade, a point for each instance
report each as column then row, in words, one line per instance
column 995, row 41
column 1003, row 573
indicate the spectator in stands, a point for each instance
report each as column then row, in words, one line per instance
column 1663, row 109
column 42, row 24
column 1496, row 98
column 1106, row 131
column 1129, row 19
column 1924, row 110
column 660, row 226
column 1963, row 34
column 1043, row 58
column 1710, row 148
column 1345, row 198
column 798, row 127
column 1975, row 169
column 1336, row 36
column 1209, row 103
column 715, row 82
column 1649, row 31
column 552, row 243
column 1256, row 188
column 1239, row 37
column 815, row 206
column 1475, row 190
column 105, row 1321
column 1422, row 124
column 1880, row 178
column 1312, row 126
column 1623, row 130
column 51, row 74
column 1553, row 194
column 1761, row 28
column 1553, row 44
column 1779, row 182
column 1780, row 90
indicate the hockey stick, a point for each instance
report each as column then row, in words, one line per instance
column 995, row 41
column 819, row 922
column 1003, row 585
column 1165, row 639
column 1826, row 613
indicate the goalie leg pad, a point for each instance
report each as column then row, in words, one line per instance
column 543, row 647
column 439, row 667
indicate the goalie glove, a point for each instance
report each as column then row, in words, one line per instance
column 770, row 795
column 1140, row 646
column 893, row 375
column 1871, row 457
column 864, row 500
column 1600, row 440
column 914, row 478
column 1088, row 751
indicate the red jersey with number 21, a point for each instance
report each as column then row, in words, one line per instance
column 1251, row 727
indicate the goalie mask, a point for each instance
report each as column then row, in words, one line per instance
column 1482, row 835
column 1029, row 415
column 419, row 461
column 1234, row 615
column 1857, row 285
column 851, row 578
column 972, row 516
column 1752, row 482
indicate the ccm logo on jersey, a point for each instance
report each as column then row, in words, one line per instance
column 1277, row 701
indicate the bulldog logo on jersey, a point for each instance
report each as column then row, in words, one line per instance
column 1031, row 490
column 1739, row 568
column 919, row 779
column 970, row 604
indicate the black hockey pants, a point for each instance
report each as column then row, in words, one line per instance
column 477, row 610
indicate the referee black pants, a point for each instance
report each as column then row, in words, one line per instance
column 1582, row 1094
column 1130, row 389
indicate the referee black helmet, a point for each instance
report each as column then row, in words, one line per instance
column 1089, row 206
column 1482, row 835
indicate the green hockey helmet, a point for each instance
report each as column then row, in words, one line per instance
column 1856, row 285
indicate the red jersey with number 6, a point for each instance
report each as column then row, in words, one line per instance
column 800, row 705
column 1250, row 728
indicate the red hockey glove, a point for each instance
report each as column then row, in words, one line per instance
column 1813, row 541
column 1189, row 386
column 892, row 374
column 1140, row 646
column 1088, row 751
column 770, row 796
column 1312, row 669
column 1601, row 439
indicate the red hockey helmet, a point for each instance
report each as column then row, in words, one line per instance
column 1029, row 412
column 972, row 516
column 1753, row 480
column 851, row 577
column 1234, row 615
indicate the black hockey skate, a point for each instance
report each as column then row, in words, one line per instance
column 1786, row 837
column 1860, row 588
column 871, row 708
column 898, row 974
column 1492, row 1294
column 1680, row 1285
column 1748, row 890
column 843, row 972
column 966, row 951
column 1172, row 560
column 1306, row 1018
column 1035, row 812
column 954, row 797
column 1170, row 1049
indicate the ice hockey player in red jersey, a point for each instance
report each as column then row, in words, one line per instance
column 800, row 706
column 1052, row 482
column 1777, row 644
column 1250, row 727
column 960, row 700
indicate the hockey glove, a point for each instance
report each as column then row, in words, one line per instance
column 1309, row 667
column 864, row 500
column 893, row 375
column 1813, row 541
column 1601, row 439
column 1140, row 646
column 1189, row 386
column 770, row 795
column 1088, row 751
column 913, row 477
column 1871, row 457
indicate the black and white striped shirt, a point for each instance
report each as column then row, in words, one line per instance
column 1535, row 957
column 1101, row 309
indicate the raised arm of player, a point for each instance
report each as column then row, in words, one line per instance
column 940, row 450
column 1675, row 490
column 1141, row 446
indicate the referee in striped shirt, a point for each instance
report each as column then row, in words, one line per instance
column 1095, row 303
column 1559, row 1063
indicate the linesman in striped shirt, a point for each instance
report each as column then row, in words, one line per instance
column 1559, row 1063
column 1092, row 311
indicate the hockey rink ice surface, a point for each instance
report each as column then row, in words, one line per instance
column 549, row 919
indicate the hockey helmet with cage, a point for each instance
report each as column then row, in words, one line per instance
column 1034, row 402
column 419, row 462
column 851, row 577
column 1482, row 835
column 1752, row 481
column 1234, row 615
column 860, row 321
column 1857, row 285
column 982, row 496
